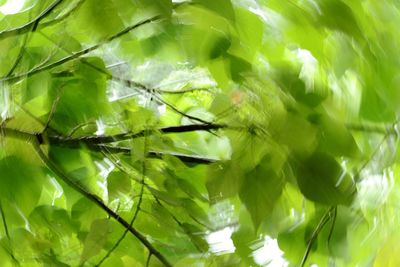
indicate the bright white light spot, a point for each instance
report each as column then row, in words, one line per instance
column 220, row 241
column 12, row 7
column 308, row 69
column 58, row 190
column 269, row 254
column 374, row 189
column 105, row 167
column 101, row 127
column 4, row 101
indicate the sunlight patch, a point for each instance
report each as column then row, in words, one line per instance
column 220, row 241
column 12, row 7
column 269, row 254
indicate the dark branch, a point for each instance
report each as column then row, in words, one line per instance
column 327, row 216
column 157, row 154
column 96, row 200
column 98, row 140
column 136, row 213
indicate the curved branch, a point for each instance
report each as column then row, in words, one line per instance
column 79, row 53
column 158, row 154
column 324, row 220
column 96, row 200
column 145, row 148
column 100, row 140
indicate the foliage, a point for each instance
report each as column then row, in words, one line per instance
column 199, row 133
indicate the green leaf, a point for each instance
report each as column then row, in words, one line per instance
column 20, row 182
column 260, row 191
column 95, row 239
column 223, row 7
column 321, row 179
column 80, row 98
column 224, row 181
column 335, row 138
column 99, row 20
column 118, row 183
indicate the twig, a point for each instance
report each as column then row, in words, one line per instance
column 145, row 148
column 3, row 217
column 157, row 154
column 96, row 200
column 332, row 228
column 314, row 236
column 53, row 108
column 148, row 259
column 79, row 53
column 98, row 140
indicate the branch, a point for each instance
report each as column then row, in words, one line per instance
column 27, row 27
column 96, row 200
column 157, row 154
column 3, row 217
column 145, row 148
column 327, row 216
column 79, row 53
column 388, row 129
column 100, row 140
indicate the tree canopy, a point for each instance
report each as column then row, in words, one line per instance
column 199, row 133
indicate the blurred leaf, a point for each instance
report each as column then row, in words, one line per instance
column 260, row 191
column 321, row 179
column 20, row 183
column 95, row 239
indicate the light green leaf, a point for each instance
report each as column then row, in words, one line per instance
column 95, row 239
column 260, row 191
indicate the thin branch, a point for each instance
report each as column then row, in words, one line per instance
column 27, row 27
column 183, row 114
column 53, row 108
column 148, row 259
column 327, row 216
column 98, row 140
column 184, row 91
column 371, row 128
column 135, row 85
column 332, row 229
column 79, row 53
column 195, row 159
column 3, row 217
column 145, row 148
column 96, row 200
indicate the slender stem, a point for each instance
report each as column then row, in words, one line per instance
column 156, row 154
column 332, row 229
column 79, row 53
column 98, row 140
column 3, row 217
column 148, row 259
column 371, row 128
column 96, row 200
column 145, row 148
column 327, row 216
